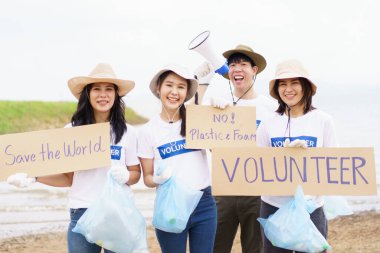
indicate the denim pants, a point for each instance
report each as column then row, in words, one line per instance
column 201, row 229
column 317, row 217
column 77, row 243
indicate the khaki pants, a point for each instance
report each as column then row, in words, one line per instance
column 232, row 212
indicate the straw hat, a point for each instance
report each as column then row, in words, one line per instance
column 181, row 71
column 258, row 59
column 290, row 69
column 102, row 73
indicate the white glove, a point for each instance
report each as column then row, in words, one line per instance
column 120, row 174
column 204, row 73
column 162, row 174
column 297, row 143
column 20, row 180
column 219, row 102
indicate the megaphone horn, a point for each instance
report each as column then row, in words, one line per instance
column 201, row 44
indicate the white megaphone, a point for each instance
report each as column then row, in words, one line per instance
column 201, row 44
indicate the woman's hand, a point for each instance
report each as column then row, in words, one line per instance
column 21, row 180
column 120, row 174
column 297, row 143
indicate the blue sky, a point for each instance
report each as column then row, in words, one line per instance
column 44, row 43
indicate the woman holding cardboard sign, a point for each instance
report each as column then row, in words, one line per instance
column 184, row 206
column 100, row 100
column 296, row 124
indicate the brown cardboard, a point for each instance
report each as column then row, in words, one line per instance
column 52, row 151
column 278, row 171
column 208, row 127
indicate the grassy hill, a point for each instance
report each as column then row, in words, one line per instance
column 24, row 116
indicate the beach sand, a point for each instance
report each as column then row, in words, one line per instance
column 358, row 233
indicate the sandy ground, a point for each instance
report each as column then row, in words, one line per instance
column 358, row 233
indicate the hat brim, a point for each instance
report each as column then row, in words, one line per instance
column 77, row 84
column 190, row 92
column 286, row 76
column 258, row 59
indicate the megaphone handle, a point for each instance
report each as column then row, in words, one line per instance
column 222, row 70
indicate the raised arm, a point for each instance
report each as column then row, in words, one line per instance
column 204, row 74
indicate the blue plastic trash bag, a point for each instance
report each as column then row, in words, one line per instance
column 173, row 205
column 335, row 206
column 290, row 227
column 113, row 221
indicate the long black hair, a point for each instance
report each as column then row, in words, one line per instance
column 84, row 115
column 182, row 109
column 306, row 100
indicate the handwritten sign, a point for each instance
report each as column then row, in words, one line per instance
column 278, row 171
column 208, row 127
column 55, row 151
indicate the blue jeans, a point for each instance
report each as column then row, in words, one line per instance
column 77, row 243
column 201, row 229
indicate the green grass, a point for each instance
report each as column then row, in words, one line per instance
column 24, row 116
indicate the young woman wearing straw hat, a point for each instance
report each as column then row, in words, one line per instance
column 164, row 157
column 296, row 124
column 99, row 100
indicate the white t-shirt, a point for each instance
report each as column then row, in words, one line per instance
column 315, row 127
column 265, row 107
column 162, row 142
column 88, row 184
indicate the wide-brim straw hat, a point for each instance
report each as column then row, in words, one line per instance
column 290, row 69
column 102, row 73
column 258, row 59
column 182, row 72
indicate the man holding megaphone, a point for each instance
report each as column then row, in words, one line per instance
column 243, row 66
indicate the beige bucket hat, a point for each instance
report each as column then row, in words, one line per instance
column 101, row 73
column 258, row 59
column 290, row 69
column 181, row 71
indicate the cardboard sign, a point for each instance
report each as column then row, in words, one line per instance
column 278, row 171
column 55, row 151
column 208, row 127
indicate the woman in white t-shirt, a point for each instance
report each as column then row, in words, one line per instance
column 296, row 124
column 161, row 145
column 100, row 100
